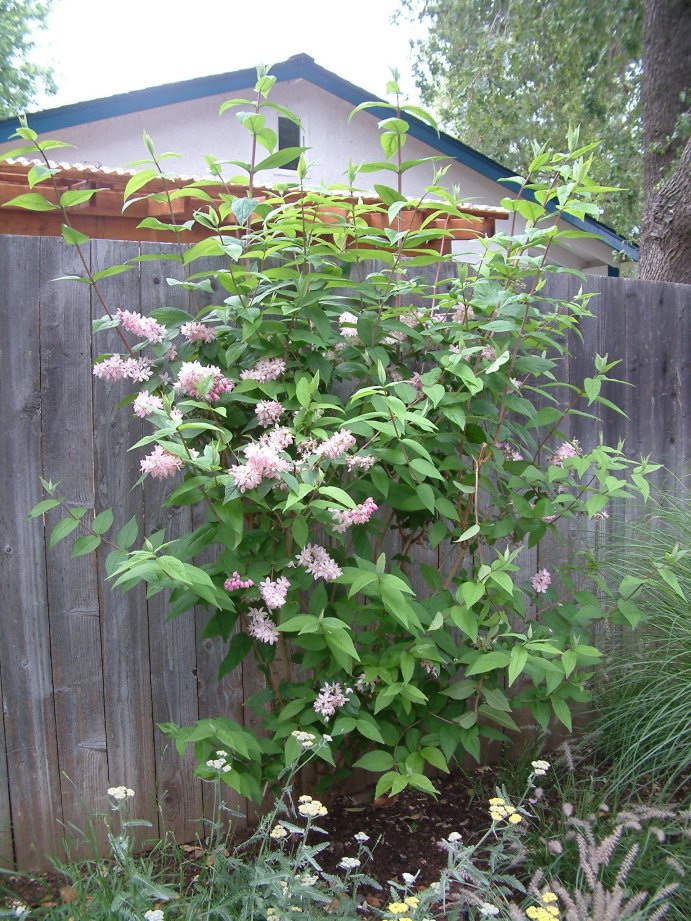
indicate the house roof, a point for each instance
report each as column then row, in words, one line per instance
column 298, row 67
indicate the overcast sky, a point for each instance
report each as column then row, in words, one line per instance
column 100, row 48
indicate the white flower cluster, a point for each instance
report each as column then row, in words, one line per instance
column 361, row 837
column 120, row 793
column 154, row 914
column 488, row 911
column 220, row 762
column 310, row 808
column 349, row 863
column 278, row 832
column 306, row 739
column 540, row 768
column 454, row 836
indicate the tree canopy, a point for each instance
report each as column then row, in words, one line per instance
column 503, row 73
column 21, row 80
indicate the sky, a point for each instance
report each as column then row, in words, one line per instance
column 100, row 48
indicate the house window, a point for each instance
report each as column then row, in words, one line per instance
column 288, row 136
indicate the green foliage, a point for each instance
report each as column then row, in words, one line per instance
column 642, row 727
column 501, row 73
column 21, row 80
column 317, row 388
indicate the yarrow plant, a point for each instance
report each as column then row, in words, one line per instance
column 327, row 415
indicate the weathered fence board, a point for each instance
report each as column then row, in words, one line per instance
column 86, row 672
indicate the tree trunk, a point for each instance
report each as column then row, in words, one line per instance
column 666, row 98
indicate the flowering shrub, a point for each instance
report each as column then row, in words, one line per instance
column 330, row 414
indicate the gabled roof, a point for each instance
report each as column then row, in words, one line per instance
column 298, row 67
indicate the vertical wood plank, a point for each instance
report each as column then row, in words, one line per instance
column 68, row 458
column 25, row 654
column 172, row 643
column 124, row 627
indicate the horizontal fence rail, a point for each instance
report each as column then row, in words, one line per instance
column 86, row 673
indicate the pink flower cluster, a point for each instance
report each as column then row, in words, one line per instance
column 236, row 581
column 197, row 332
column 330, row 698
column 360, row 462
column 263, row 462
column 489, row 353
column 194, row 377
column 541, row 581
column 146, row 403
column 318, row 563
column 117, row 368
column 359, row 515
column 268, row 412
column 338, row 444
column 146, row 327
column 509, row 452
column 161, row 463
column 266, row 369
column 463, row 313
column 348, row 325
column 274, row 593
column 261, row 627
column 565, row 450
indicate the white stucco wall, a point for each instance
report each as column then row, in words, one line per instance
column 194, row 129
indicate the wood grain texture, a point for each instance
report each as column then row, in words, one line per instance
column 68, row 458
column 25, row 653
column 124, row 625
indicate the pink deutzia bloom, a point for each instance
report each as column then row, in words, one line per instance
column 236, row 581
column 359, row 515
column 489, row 353
column 202, row 383
column 348, row 325
column 117, row 368
column 565, row 450
column 318, row 563
column 160, row 463
column 146, row 327
column 274, row 593
column 263, row 462
column 261, row 627
column 277, row 439
column 197, row 332
column 147, row 403
column 266, row 369
column 268, row 412
column 360, row 462
column 330, row 698
column 338, row 444
column 541, row 581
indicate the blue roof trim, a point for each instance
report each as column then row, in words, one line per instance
column 300, row 66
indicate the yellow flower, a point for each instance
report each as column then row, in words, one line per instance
column 515, row 818
column 397, row 908
column 412, row 900
column 497, row 801
column 496, row 816
column 548, row 896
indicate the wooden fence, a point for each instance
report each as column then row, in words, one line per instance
column 86, row 673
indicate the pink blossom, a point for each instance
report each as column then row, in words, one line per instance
column 274, row 593
column 266, row 459
column 565, row 450
column 146, row 327
column 197, row 332
column 348, row 325
column 245, row 476
column 359, row 515
column 117, row 368
column 236, row 581
column 463, row 313
column 268, row 412
column 338, row 444
column 318, row 563
column 360, row 462
column 412, row 319
column 147, row 403
column 489, row 353
column 278, row 439
column 202, row 383
column 509, row 452
column 330, row 698
column 266, row 369
column 261, row 627
column 161, row 463
column 416, row 382
column 541, row 581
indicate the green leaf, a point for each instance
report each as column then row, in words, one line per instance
column 671, row 580
column 569, row 659
column 503, row 580
column 376, row 760
column 466, row 535
column 462, row 690
column 465, row 620
column 102, row 522
column 340, row 495
column 85, row 544
column 467, row 720
column 72, row 236
column 127, row 534
column 496, row 699
column 488, row 662
column 367, row 726
column 139, row 180
column 471, row 592
column 74, row 197
column 517, row 662
column 434, row 757
column 45, row 505
column 420, row 782
column 561, row 711
column 31, row 201
column 300, row 531
column 64, row 527
column 239, row 646
column 423, row 467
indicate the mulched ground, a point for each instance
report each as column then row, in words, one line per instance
column 404, row 835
